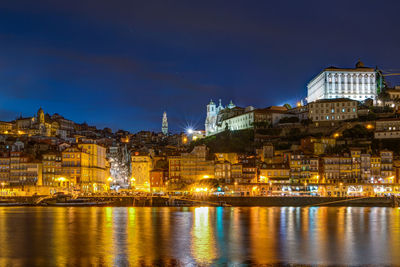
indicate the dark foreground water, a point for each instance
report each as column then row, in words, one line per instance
column 45, row 236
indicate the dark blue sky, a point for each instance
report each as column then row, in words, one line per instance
column 122, row 63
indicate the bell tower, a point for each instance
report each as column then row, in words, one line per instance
column 40, row 116
column 164, row 127
column 211, row 119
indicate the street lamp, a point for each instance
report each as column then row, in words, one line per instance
column 110, row 180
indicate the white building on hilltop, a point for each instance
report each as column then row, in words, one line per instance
column 235, row 118
column 212, row 115
column 357, row 83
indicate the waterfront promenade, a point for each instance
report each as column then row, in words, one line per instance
column 173, row 201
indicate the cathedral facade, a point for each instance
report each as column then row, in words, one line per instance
column 40, row 124
column 214, row 113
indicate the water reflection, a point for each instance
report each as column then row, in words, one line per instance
column 207, row 236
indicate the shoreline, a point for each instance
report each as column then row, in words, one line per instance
column 160, row 201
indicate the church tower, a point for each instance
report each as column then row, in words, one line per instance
column 40, row 116
column 164, row 127
column 220, row 106
column 211, row 120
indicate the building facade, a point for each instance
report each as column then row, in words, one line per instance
column 212, row 115
column 52, row 168
column 357, row 83
column 141, row 166
column 234, row 118
column 328, row 110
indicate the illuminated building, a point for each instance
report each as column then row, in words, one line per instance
column 195, row 166
column 174, row 164
column 365, row 167
column 193, row 135
column 222, row 171
column 191, row 167
column 230, row 157
column 393, row 93
column 141, row 166
column 75, row 169
column 357, row 83
column 274, row 173
column 331, row 110
column 304, row 168
column 52, row 170
column 386, row 165
column 41, row 124
column 211, row 119
column 5, row 127
column 164, row 124
column 237, row 172
column 4, row 168
column 317, row 146
column 157, row 178
column 387, row 128
column 356, row 163
column 24, row 170
column 97, row 165
column 375, row 166
column 235, row 118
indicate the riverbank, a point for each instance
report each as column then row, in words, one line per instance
column 165, row 201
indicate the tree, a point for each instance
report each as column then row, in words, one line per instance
column 287, row 106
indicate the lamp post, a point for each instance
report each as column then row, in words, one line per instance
column 110, row 180
column 61, row 181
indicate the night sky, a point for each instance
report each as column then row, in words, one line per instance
column 121, row 64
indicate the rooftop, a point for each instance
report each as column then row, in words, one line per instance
column 358, row 67
column 334, row 100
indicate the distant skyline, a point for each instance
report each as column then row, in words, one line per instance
column 121, row 64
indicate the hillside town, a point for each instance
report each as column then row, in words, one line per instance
column 342, row 140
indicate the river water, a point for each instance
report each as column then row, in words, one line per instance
column 110, row 236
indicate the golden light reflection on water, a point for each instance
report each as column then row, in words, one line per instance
column 262, row 229
column 203, row 236
column 208, row 236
